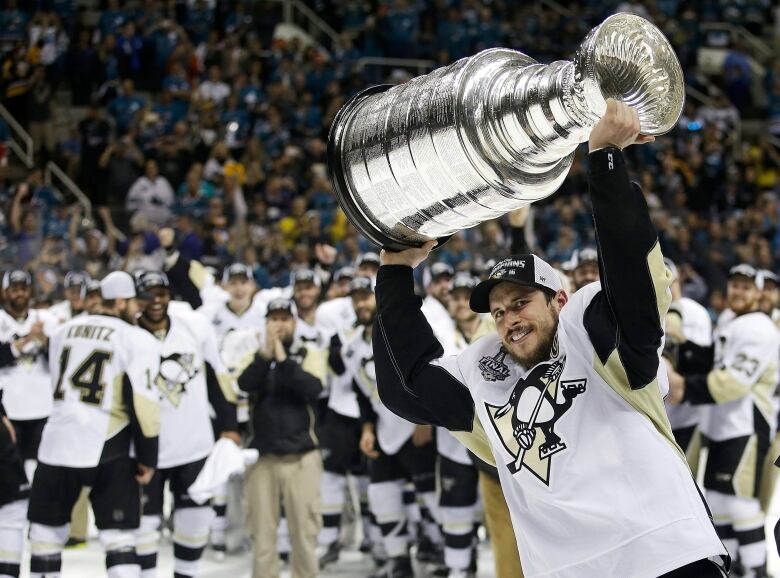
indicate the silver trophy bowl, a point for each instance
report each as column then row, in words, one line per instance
column 490, row 133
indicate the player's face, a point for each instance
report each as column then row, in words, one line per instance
column 129, row 309
column 525, row 321
column 742, row 295
column 18, row 296
column 73, row 295
column 770, row 297
column 240, row 288
column 440, row 288
column 364, row 303
column 155, row 306
column 305, row 295
column 459, row 306
column 340, row 289
column 584, row 274
column 281, row 324
column 367, row 270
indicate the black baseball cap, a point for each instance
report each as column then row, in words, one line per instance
column 743, row 270
column 367, row 258
column 440, row 269
column 528, row 270
column 463, row 280
column 76, row 279
column 237, row 270
column 305, row 276
column 361, row 284
column 280, row 304
column 344, row 273
column 17, row 276
column 149, row 279
column 585, row 255
column 767, row 275
column 93, row 286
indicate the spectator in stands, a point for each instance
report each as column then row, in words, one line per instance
column 151, row 196
column 213, row 89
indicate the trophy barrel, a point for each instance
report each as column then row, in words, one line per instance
column 491, row 133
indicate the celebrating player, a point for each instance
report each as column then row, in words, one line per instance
column 565, row 399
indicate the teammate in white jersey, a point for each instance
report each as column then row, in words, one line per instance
column 688, row 341
column 566, row 400
column 396, row 449
column 243, row 314
column 457, row 477
column 742, row 418
column 337, row 313
column 435, row 304
column 585, row 268
column 14, row 487
column 240, row 311
column 75, row 284
column 191, row 378
column 101, row 375
column 26, row 383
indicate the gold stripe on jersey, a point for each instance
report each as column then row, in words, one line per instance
column 770, row 474
column 316, row 363
column 118, row 418
column 693, row 451
column 197, row 274
column 476, row 441
column 226, row 385
column 647, row 400
column 744, row 479
column 724, row 388
column 147, row 412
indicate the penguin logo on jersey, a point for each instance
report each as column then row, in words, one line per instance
column 526, row 422
column 176, row 371
column 494, row 368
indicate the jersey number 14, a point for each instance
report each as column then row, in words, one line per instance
column 88, row 377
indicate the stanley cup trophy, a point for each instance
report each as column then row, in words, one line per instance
column 492, row 132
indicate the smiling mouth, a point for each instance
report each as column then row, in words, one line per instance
column 517, row 336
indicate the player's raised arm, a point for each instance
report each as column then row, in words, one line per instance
column 627, row 318
column 404, row 346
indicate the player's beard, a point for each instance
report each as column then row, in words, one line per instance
column 545, row 334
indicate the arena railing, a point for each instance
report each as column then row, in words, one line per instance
column 295, row 11
column 24, row 151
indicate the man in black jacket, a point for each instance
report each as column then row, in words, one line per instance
column 285, row 379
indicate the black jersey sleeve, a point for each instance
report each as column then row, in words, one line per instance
column 404, row 347
column 627, row 315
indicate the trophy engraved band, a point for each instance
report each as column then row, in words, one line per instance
column 490, row 133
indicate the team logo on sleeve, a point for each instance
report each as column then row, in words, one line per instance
column 494, row 368
column 176, row 371
column 526, row 422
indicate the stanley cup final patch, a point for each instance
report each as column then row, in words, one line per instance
column 526, row 422
column 494, row 368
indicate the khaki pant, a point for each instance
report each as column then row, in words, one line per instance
column 499, row 525
column 294, row 479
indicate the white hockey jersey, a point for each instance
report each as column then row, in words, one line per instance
column 697, row 328
column 224, row 320
column 335, row 315
column 392, row 431
column 745, row 375
column 27, row 389
column 446, row 444
column 576, row 471
column 61, row 311
column 186, row 433
column 89, row 357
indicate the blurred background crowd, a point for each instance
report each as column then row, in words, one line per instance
column 213, row 117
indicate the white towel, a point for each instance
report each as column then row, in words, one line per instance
column 225, row 460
